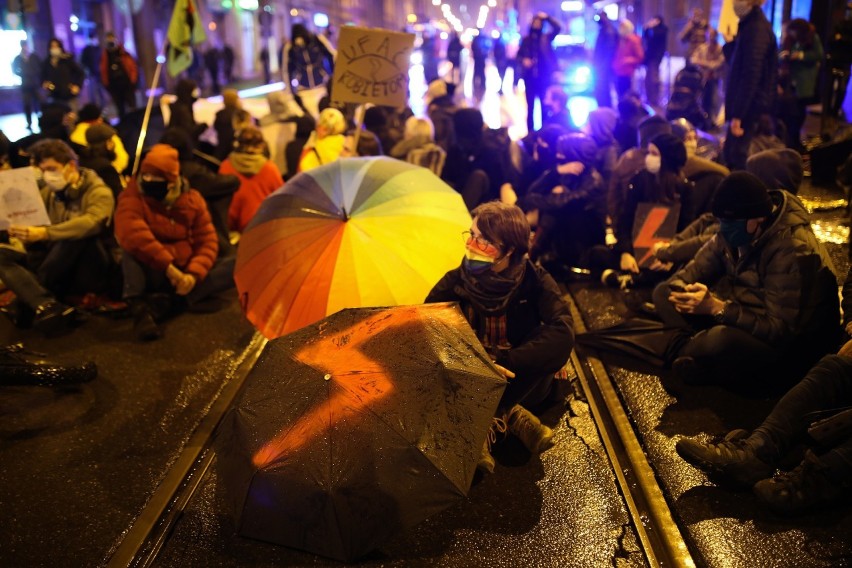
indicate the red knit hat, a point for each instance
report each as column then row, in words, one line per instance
column 161, row 161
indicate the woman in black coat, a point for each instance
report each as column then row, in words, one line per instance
column 517, row 312
column 61, row 76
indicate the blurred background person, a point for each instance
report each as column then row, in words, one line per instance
column 61, row 77
column 27, row 66
column 654, row 40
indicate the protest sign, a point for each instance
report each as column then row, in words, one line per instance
column 653, row 223
column 20, row 201
column 372, row 66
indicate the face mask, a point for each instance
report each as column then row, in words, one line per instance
column 475, row 263
column 742, row 8
column 735, row 232
column 691, row 147
column 55, row 180
column 55, row 52
column 156, row 189
column 652, row 163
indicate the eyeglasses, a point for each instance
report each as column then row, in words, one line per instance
column 478, row 243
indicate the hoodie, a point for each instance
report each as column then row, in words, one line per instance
column 778, row 169
column 258, row 176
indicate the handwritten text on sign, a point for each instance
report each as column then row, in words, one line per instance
column 372, row 66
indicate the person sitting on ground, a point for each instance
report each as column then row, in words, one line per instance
column 418, row 146
column 748, row 460
column 99, row 155
column 705, row 175
column 478, row 166
column 759, row 301
column 777, row 169
column 631, row 113
column 217, row 189
column 326, row 142
column 441, row 107
column 764, row 137
column 601, row 127
column 518, row 314
column 90, row 115
column 55, row 122
column 376, row 120
column 44, row 265
column 660, row 182
column 368, row 145
column 555, row 108
column 258, row 177
column 571, row 203
column 169, row 245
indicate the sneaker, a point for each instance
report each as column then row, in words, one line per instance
column 486, row 461
column 54, row 318
column 805, row 488
column 537, row 437
column 18, row 366
column 729, row 461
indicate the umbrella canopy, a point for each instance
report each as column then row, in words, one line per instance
column 354, row 233
column 356, row 427
column 646, row 340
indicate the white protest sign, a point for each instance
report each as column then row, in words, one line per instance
column 20, row 201
column 372, row 66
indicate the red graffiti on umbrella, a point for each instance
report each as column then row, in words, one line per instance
column 362, row 381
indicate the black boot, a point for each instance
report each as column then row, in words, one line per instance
column 54, row 318
column 21, row 367
column 144, row 326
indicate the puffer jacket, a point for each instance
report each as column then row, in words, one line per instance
column 157, row 235
column 782, row 287
column 538, row 322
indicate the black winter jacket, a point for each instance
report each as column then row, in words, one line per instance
column 753, row 68
column 538, row 321
column 780, row 288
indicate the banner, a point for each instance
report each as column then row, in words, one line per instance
column 372, row 66
column 653, row 223
column 20, row 200
column 185, row 30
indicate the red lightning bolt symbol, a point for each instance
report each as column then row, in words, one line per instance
column 646, row 237
column 361, row 381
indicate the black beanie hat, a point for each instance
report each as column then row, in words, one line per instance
column 741, row 195
column 672, row 151
column 651, row 127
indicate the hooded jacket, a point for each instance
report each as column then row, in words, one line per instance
column 781, row 287
column 157, row 235
column 259, row 177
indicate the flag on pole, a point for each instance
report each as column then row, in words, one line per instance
column 185, row 30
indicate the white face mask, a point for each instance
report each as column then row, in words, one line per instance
column 196, row 93
column 742, row 8
column 55, row 52
column 55, row 180
column 652, row 163
column 691, row 147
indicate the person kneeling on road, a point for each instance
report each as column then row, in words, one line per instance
column 67, row 257
column 745, row 460
column 517, row 312
column 759, row 298
column 169, row 243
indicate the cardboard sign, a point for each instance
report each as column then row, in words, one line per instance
column 20, row 201
column 372, row 66
column 653, row 223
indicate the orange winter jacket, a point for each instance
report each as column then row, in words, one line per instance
column 157, row 236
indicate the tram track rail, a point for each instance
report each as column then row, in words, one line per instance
column 655, row 527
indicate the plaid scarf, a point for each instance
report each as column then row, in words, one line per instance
column 489, row 295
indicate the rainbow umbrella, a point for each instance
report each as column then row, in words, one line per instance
column 359, row 232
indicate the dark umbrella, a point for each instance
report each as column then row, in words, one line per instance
column 643, row 339
column 355, row 427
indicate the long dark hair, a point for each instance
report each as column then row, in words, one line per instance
column 804, row 32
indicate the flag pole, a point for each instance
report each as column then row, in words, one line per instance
column 147, row 117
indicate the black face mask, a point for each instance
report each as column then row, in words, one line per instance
column 111, row 45
column 156, row 189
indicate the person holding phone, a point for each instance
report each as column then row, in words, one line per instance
column 760, row 298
